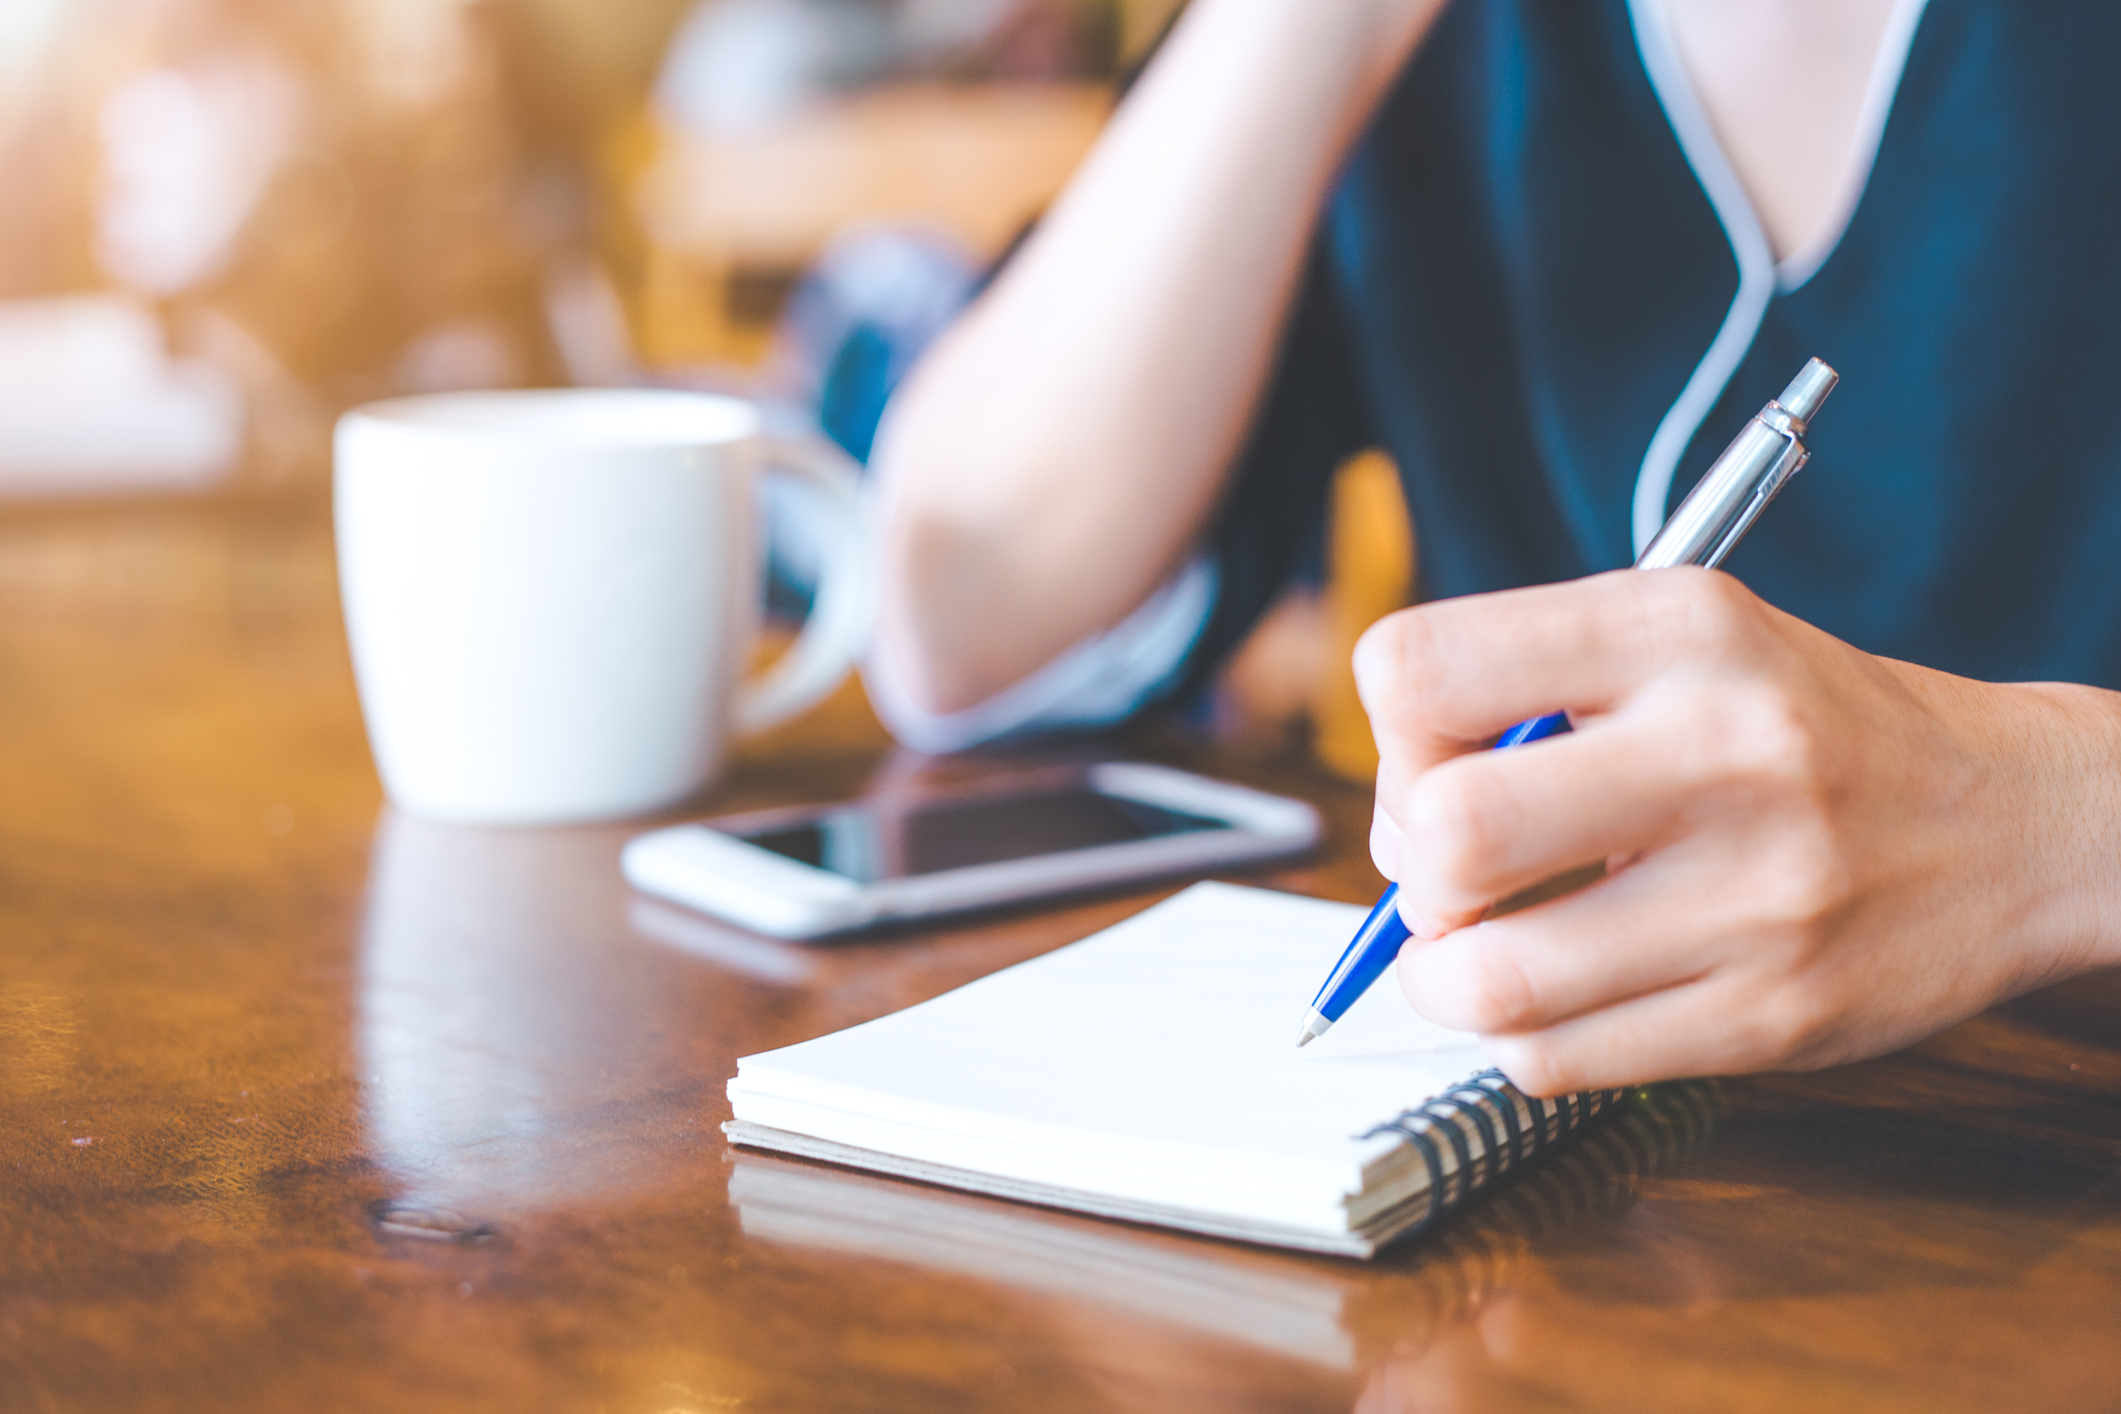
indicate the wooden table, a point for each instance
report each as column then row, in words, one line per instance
column 307, row 1107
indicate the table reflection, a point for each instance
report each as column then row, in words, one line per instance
column 528, row 1036
column 484, row 1007
column 1290, row 1308
column 1334, row 1315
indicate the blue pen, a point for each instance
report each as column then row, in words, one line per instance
column 1705, row 528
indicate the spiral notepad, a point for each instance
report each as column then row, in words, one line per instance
column 1148, row 1073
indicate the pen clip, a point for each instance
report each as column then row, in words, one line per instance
column 1752, row 471
column 1792, row 462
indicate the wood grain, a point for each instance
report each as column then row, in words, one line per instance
column 307, row 1106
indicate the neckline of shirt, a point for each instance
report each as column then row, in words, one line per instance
column 1760, row 276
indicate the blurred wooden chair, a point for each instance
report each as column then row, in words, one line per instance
column 731, row 221
column 1292, row 679
column 1370, row 573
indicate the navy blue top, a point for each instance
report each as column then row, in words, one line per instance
column 1520, row 272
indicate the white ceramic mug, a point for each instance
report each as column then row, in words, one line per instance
column 551, row 595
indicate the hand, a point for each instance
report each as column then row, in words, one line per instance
column 1813, row 855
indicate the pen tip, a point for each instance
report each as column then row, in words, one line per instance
column 1306, row 1038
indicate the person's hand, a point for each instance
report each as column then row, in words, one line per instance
column 1814, row 855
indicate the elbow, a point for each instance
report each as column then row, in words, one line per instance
column 927, row 645
column 974, row 546
column 944, row 579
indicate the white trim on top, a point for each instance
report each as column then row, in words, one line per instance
column 1749, row 243
column 1760, row 278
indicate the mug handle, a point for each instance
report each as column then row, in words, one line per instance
column 841, row 614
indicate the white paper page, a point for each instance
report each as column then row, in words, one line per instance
column 1163, row 1046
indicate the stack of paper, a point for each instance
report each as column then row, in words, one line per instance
column 1151, row 1073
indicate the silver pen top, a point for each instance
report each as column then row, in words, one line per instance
column 1719, row 511
column 1807, row 393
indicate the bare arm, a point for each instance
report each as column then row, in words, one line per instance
column 1056, row 456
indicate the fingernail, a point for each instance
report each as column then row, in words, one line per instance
column 1423, row 927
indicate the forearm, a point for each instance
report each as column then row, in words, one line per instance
column 1052, row 460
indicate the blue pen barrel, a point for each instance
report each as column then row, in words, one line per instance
column 1382, row 935
column 1377, row 942
column 1538, row 729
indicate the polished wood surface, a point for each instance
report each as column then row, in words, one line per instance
column 306, row 1106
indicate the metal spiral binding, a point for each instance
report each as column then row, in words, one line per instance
column 1493, row 1160
column 1492, row 1099
column 1502, row 1105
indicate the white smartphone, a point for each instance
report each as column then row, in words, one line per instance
column 827, row 869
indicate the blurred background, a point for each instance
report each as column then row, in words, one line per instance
column 227, row 221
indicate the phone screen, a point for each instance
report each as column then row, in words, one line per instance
column 869, row 845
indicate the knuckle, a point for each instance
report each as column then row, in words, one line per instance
column 1720, row 610
column 1450, row 825
column 1396, row 660
column 1500, row 996
column 1809, row 883
column 1690, row 614
column 1764, row 740
column 1410, row 666
column 1771, row 733
column 1535, row 1065
column 1784, row 1025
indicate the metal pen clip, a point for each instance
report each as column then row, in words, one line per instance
column 1751, row 472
